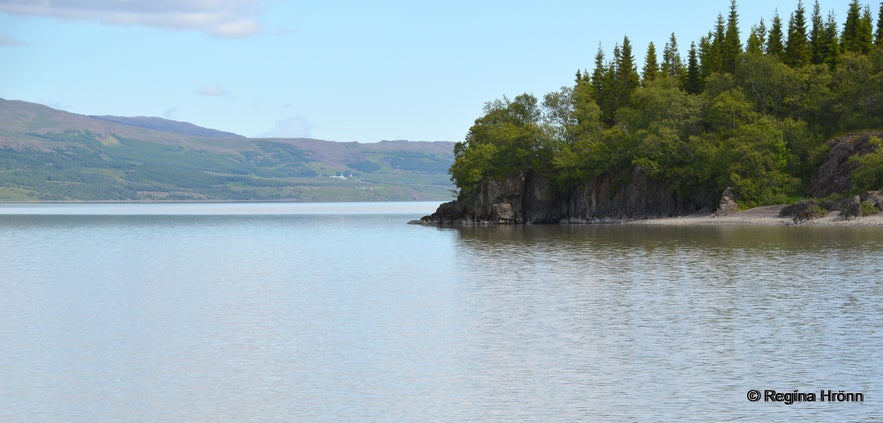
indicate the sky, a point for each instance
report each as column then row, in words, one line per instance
column 334, row 70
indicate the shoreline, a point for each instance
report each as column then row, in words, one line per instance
column 760, row 216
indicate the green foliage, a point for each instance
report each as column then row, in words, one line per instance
column 754, row 120
column 868, row 208
column 868, row 174
column 507, row 139
column 797, row 49
column 774, row 45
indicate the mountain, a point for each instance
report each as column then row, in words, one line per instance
column 166, row 125
column 53, row 155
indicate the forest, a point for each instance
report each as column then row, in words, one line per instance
column 752, row 115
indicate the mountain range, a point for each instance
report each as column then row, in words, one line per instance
column 53, row 155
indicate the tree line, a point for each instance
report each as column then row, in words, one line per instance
column 754, row 117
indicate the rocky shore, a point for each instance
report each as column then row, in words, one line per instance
column 764, row 216
column 530, row 198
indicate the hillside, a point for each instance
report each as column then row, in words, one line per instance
column 52, row 155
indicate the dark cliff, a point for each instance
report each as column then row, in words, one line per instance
column 532, row 198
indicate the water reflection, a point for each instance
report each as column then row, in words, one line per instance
column 646, row 320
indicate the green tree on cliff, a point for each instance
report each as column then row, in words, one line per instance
column 797, row 51
column 774, row 43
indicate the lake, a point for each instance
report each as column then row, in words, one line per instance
column 343, row 312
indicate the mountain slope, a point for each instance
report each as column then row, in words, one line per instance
column 52, row 155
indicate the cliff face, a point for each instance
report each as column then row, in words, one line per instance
column 833, row 175
column 531, row 198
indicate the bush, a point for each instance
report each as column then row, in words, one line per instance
column 869, row 208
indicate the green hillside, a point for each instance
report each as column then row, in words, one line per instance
column 51, row 155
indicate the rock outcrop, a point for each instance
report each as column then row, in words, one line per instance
column 833, row 175
column 531, row 198
column 728, row 204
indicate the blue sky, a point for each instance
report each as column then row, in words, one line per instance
column 335, row 70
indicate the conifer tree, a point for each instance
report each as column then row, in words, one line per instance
column 602, row 86
column 716, row 58
column 732, row 46
column 671, row 59
column 817, row 41
column 856, row 37
column 833, row 50
column 706, row 56
column 693, row 84
column 627, row 79
column 797, row 51
column 878, row 39
column 774, row 46
column 866, row 31
column 651, row 65
column 757, row 38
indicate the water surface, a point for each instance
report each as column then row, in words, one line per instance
column 342, row 312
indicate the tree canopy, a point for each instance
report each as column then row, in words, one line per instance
column 753, row 118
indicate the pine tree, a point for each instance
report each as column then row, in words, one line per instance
column 866, row 31
column 693, row 84
column 671, row 59
column 732, row 46
column 817, row 41
column 627, row 79
column 878, row 39
column 833, row 50
column 757, row 38
column 706, row 56
column 774, row 46
column 797, row 51
column 851, row 38
column 602, row 86
column 716, row 59
column 651, row 65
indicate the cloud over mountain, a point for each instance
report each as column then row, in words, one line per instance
column 222, row 18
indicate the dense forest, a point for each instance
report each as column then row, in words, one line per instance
column 753, row 116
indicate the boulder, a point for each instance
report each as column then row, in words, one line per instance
column 728, row 204
column 851, row 208
column 874, row 197
column 803, row 211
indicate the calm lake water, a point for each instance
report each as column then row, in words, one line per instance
column 342, row 312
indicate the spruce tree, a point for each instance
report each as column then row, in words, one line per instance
column 716, row 59
column 671, row 59
column 651, row 65
column 627, row 79
column 602, row 86
column 866, row 31
column 878, row 39
column 706, row 56
column 817, row 40
column 693, row 84
column 732, row 46
column 757, row 38
column 850, row 39
column 833, row 51
column 774, row 46
column 797, row 51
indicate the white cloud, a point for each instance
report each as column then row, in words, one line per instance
column 223, row 18
column 212, row 91
column 7, row 41
column 290, row 127
column 171, row 113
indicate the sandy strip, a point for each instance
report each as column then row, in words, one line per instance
column 762, row 216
